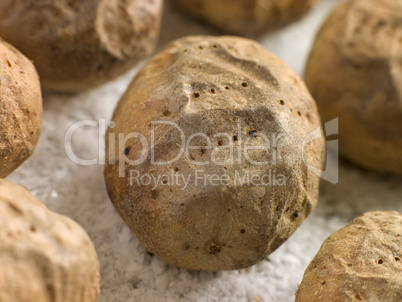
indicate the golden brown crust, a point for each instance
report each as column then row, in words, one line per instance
column 44, row 256
column 208, row 84
column 246, row 17
column 20, row 108
column 77, row 45
column 360, row 262
column 354, row 72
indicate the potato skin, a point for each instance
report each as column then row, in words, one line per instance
column 44, row 256
column 206, row 85
column 245, row 17
column 358, row 78
column 20, row 108
column 360, row 262
column 77, row 45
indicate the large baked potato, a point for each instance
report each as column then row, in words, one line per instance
column 223, row 93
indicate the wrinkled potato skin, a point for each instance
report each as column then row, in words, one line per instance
column 348, row 266
column 355, row 73
column 77, row 45
column 211, row 227
column 44, row 257
column 20, row 108
column 246, row 17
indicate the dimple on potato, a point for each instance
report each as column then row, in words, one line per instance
column 355, row 74
column 360, row 262
column 43, row 256
column 77, row 45
column 20, row 108
column 186, row 120
column 246, row 17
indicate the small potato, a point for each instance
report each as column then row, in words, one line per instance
column 20, row 108
column 360, row 262
column 43, row 256
column 212, row 153
column 355, row 73
column 79, row 44
column 246, row 17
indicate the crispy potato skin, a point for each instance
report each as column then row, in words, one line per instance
column 355, row 73
column 20, row 108
column 77, row 45
column 44, row 256
column 360, row 262
column 206, row 85
column 246, row 17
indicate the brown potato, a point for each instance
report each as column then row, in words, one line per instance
column 360, row 262
column 77, row 45
column 20, row 108
column 225, row 94
column 355, row 73
column 43, row 256
column 246, row 17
